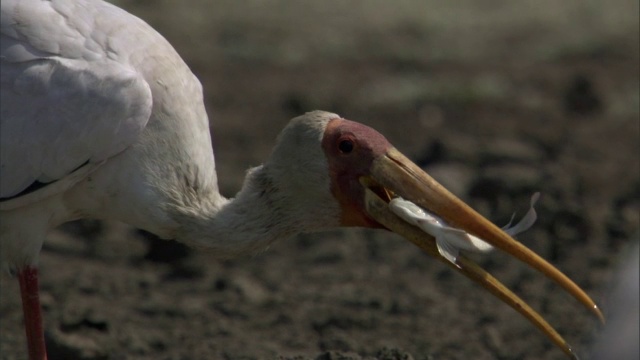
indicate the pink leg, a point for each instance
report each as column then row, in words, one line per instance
column 28, row 278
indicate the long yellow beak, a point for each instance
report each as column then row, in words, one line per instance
column 395, row 175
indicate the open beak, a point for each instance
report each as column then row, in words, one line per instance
column 393, row 175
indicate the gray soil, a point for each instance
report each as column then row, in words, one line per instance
column 496, row 99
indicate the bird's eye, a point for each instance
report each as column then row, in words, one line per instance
column 345, row 146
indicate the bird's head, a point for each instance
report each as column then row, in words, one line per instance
column 350, row 172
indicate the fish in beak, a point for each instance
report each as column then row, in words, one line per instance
column 393, row 176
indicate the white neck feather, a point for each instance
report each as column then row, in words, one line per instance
column 245, row 224
column 287, row 195
column 261, row 213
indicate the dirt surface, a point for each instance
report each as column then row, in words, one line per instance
column 496, row 99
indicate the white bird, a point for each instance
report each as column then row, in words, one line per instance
column 101, row 118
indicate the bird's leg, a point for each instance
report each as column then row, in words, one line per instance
column 28, row 277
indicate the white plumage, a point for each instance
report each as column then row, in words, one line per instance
column 71, row 92
column 101, row 118
column 80, row 84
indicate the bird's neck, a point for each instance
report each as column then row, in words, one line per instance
column 246, row 224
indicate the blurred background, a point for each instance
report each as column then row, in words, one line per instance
column 496, row 99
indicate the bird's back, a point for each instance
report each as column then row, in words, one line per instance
column 81, row 82
column 100, row 118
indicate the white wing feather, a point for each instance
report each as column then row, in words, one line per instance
column 67, row 98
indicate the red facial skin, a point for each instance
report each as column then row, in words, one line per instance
column 346, row 167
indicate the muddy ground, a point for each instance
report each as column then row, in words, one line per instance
column 496, row 99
